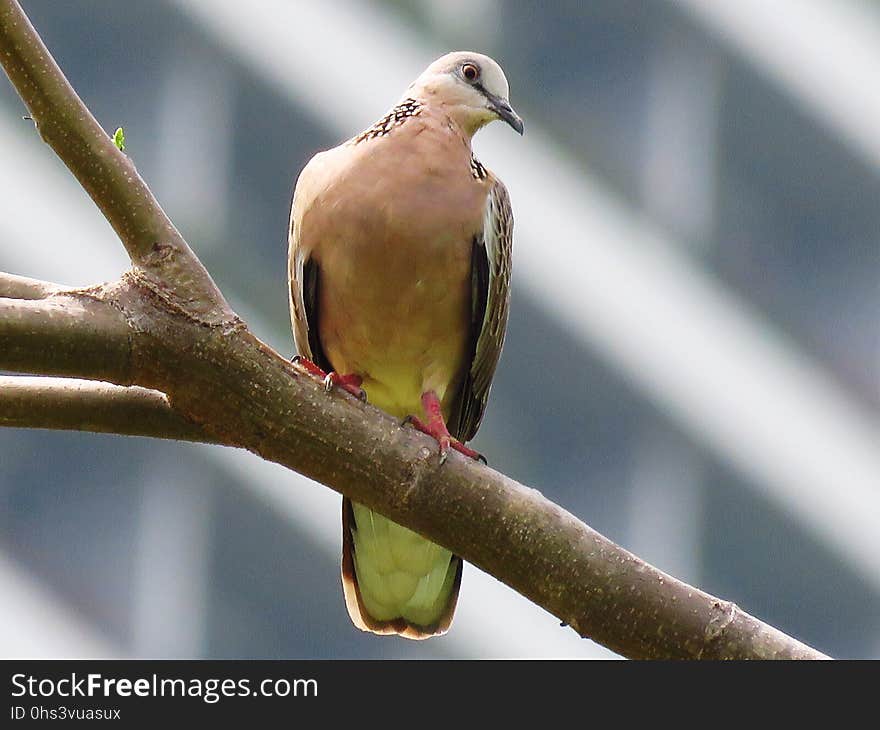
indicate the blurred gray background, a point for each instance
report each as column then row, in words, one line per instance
column 693, row 360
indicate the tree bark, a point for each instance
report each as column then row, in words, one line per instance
column 21, row 287
column 69, row 333
column 166, row 328
column 84, row 405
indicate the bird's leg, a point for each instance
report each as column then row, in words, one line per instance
column 435, row 426
column 350, row 383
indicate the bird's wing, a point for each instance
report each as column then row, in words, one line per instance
column 303, row 274
column 490, row 298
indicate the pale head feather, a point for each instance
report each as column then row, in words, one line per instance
column 472, row 102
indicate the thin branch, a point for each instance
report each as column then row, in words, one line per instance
column 86, row 405
column 243, row 393
column 71, row 333
column 21, row 287
column 154, row 245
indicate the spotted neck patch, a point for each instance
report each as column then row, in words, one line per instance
column 406, row 109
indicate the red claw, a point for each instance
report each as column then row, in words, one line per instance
column 435, row 426
column 350, row 383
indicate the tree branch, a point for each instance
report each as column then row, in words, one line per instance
column 70, row 333
column 85, row 405
column 154, row 245
column 21, row 287
column 243, row 393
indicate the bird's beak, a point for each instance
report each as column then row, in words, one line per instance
column 504, row 111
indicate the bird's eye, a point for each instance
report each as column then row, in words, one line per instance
column 470, row 72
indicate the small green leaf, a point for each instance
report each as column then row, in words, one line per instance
column 119, row 139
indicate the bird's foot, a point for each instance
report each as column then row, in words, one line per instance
column 435, row 427
column 350, row 383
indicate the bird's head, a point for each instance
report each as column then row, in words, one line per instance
column 471, row 87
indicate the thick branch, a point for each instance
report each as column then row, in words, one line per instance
column 72, row 333
column 242, row 393
column 154, row 245
column 21, row 287
column 85, row 405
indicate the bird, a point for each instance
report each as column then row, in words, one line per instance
column 399, row 268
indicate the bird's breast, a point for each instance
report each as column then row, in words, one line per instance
column 395, row 276
column 396, row 311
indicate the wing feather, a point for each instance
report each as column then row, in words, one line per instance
column 490, row 304
column 303, row 278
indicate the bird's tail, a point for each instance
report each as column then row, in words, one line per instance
column 395, row 581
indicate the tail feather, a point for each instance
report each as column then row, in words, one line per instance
column 399, row 625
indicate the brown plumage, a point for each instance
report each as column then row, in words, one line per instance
column 399, row 270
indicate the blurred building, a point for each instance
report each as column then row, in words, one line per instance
column 693, row 359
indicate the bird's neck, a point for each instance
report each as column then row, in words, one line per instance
column 461, row 117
